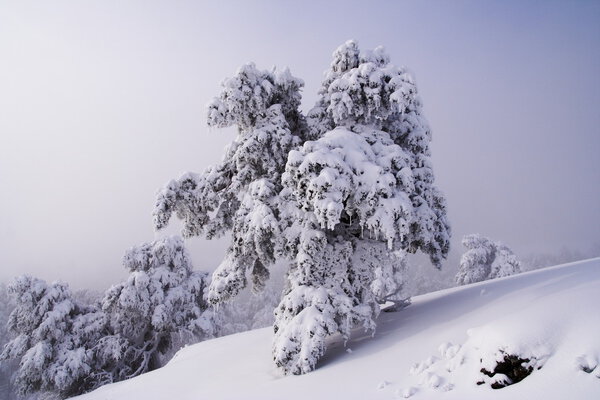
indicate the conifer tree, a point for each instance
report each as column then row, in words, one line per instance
column 162, row 296
column 342, row 196
column 485, row 259
column 50, row 353
column 476, row 262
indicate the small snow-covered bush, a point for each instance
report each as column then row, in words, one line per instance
column 485, row 259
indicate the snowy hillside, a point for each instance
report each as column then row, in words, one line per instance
column 433, row 349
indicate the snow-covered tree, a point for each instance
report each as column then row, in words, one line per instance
column 240, row 195
column 506, row 263
column 342, row 196
column 51, row 354
column 357, row 199
column 162, row 297
column 476, row 262
column 485, row 259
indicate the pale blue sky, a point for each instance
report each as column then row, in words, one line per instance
column 102, row 102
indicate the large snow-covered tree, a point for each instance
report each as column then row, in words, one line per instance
column 342, row 195
column 240, row 194
column 359, row 197
column 485, row 259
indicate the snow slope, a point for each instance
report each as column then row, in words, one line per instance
column 433, row 349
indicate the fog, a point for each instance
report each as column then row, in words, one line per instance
column 102, row 102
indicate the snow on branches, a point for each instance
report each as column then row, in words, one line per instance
column 363, row 88
column 240, row 194
column 361, row 175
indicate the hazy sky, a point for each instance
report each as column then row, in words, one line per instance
column 102, row 102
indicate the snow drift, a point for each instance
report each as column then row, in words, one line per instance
column 455, row 344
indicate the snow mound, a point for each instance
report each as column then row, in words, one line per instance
column 531, row 335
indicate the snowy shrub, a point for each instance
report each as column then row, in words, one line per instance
column 341, row 195
column 485, row 259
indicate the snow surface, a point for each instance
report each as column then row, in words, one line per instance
column 432, row 349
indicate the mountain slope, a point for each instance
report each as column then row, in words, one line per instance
column 434, row 348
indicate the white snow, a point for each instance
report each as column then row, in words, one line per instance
column 432, row 349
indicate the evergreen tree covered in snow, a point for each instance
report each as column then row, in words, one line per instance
column 356, row 200
column 162, row 297
column 342, row 195
column 506, row 263
column 476, row 262
column 240, row 195
column 45, row 324
column 485, row 259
